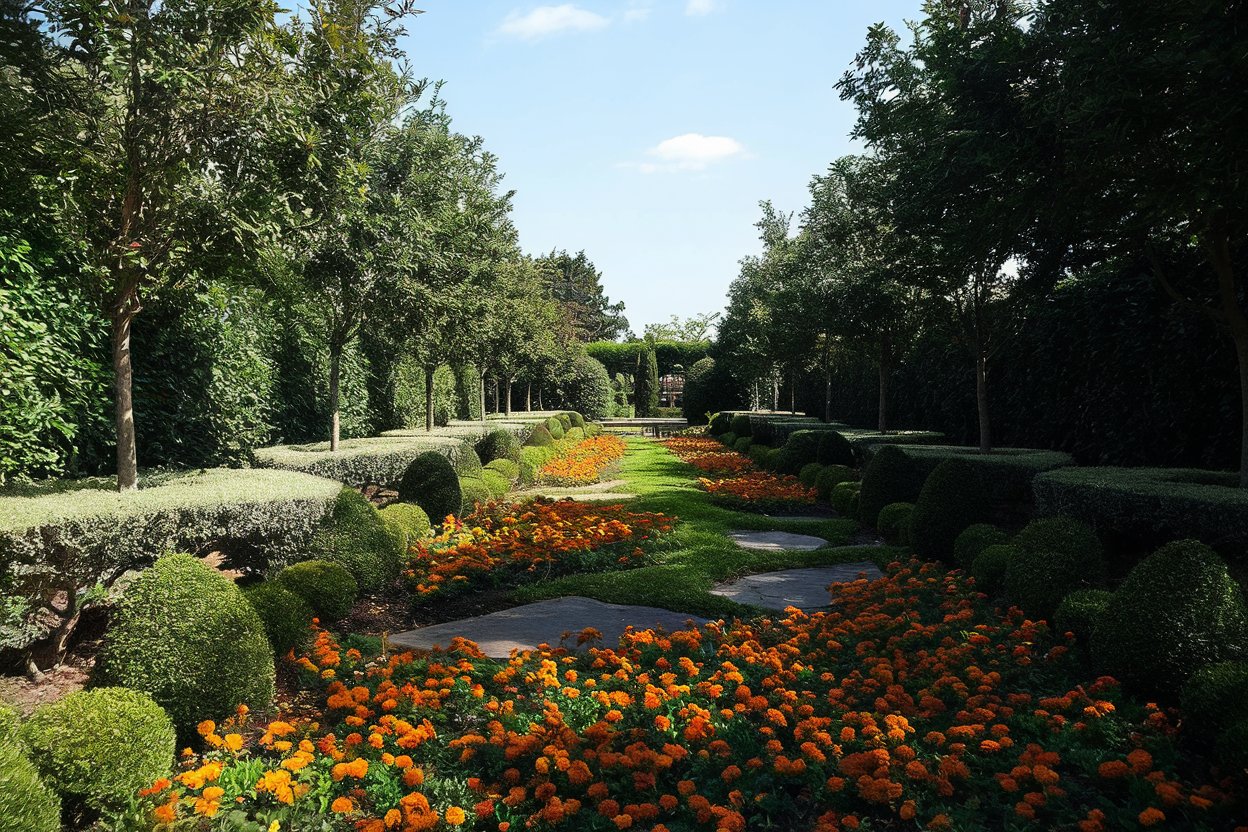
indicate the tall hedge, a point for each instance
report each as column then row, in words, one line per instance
column 646, row 386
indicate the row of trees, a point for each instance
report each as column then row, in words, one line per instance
column 1014, row 145
column 291, row 161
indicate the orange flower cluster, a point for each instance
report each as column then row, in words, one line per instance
column 584, row 463
column 708, row 455
column 912, row 703
column 759, row 489
column 502, row 543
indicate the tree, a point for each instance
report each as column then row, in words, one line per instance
column 687, row 330
column 646, row 386
column 576, row 284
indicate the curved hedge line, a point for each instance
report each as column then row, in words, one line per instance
column 357, row 462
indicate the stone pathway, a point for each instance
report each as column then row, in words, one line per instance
column 596, row 492
column 776, row 541
column 806, row 589
column 545, row 622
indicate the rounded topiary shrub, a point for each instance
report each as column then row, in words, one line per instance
column 1215, row 698
column 1177, row 611
column 720, row 424
column 805, row 445
column 1079, row 612
column 809, row 474
column 540, row 437
column 577, row 420
column 574, row 433
column 326, row 586
column 474, row 491
column 889, row 478
column 355, row 536
column 531, row 461
column 99, row 747
column 894, row 522
column 467, row 463
column 989, row 567
column 953, row 498
column 555, row 427
column 26, row 803
column 431, row 483
column 973, row 540
column 830, row 477
column 834, row 449
column 730, row 439
column 844, row 498
column 406, row 523
column 497, row 484
column 763, row 431
column 740, row 425
column 498, row 444
column 287, row 618
column 184, row 634
column 508, row 468
column 1058, row 555
column 564, row 419
column 742, row 445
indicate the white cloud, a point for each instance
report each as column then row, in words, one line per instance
column 637, row 14
column 551, row 20
column 696, row 8
column 693, row 151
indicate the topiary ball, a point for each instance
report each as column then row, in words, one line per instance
column 809, row 474
column 1079, row 612
column 431, row 483
column 506, row 467
column 540, row 437
column 406, row 524
column 1215, row 698
column 467, row 463
column 890, row 477
column 844, row 498
column 730, row 439
column 973, row 540
column 326, row 586
column 26, row 803
column 989, row 567
column 953, row 498
column 355, row 536
column 834, row 449
column 100, row 747
column 740, row 425
column 497, row 484
column 531, row 461
column 577, row 420
column 894, row 522
column 555, row 427
column 805, row 445
column 498, row 444
column 742, row 445
column 830, row 477
column 475, row 492
column 1058, row 555
column 720, row 424
column 565, row 420
column 287, row 618
column 184, row 634
column 1177, row 611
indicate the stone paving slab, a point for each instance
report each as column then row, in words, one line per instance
column 777, row 541
column 806, row 589
column 545, row 622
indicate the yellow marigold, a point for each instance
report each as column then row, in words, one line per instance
column 342, row 806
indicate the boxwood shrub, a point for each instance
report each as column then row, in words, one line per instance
column 953, row 498
column 506, row 467
column 1080, row 611
column 1177, row 611
column 989, row 567
column 973, row 540
column 894, row 522
column 531, row 461
column 889, row 478
column 834, row 449
column 99, row 747
column 287, row 618
column 26, row 803
column 742, row 445
column 359, row 462
column 356, row 537
column 326, row 586
column 1057, row 555
column 1215, row 698
column 555, row 427
column 474, row 491
column 1007, row 473
column 805, row 445
column 498, row 444
column 845, row 497
column 762, row 430
column 740, row 425
column 720, row 424
column 809, row 474
column 576, row 419
column 431, row 483
column 497, row 484
column 468, row 464
column 730, row 439
column 406, row 523
column 184, row 634
column 540, row 437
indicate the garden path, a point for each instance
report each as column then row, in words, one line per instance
column 806, row 589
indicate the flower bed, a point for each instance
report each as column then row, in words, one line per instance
column 501, row 543
column 913, row 704
column 759, row 490
column 583, row 464
column 708, row 455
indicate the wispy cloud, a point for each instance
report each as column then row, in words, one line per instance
column 544, row 21
column 689, row 152
column 696, row 8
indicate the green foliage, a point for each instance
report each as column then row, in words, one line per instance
column 498, row 444
column 845, row 498
column 740, row 425
column 1231, row 749
column 1079, row 613
column 1177, row 611
column 762, row 430
column 9, row 721
column 576, row 285
column 835, row 449
column 358, row 462
column 809, row 474
column 356, row 538
column 973, row 540
column 730, row 439
column 646, row 385
column 577, row 420
column 1007, row 473
column 431, row 483
column 540, row 437
column 953, row 498
column 406, row 523
column 506, row 467
column 742, row 445
column 495, row 483
column 585, row 387
column 894, row 522
column 26, row 804
column 720, row 424
column 287, row 618
column 708, row 388
column 100, row 746
column 830, row 477
column 532, row 459
column 888, row 478
column 325, row 585
column 1057, row 555
column 804, row 444
column 467, row 463
column 989, row 567
column 1216, row 698
column 474, row 490
column 184, row 634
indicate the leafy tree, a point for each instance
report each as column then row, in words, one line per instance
column 576, row 284
column 694, row 328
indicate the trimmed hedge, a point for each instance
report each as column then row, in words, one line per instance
column 990, row 565
column 100, row 747
column 326, row 586
column 1080, row 611
column 730, row 439
column 406, row 523
column 555, row 427
column 834, row 449
column 468, row 464
column 540, row 437
column 830, row 477
column 1177, row 611
column 184, row 634
column 1215, row 698
column 1142, row 508
column 805, row 445
column 359, row 462
column 474, row 491
column 973, row 540
column 497, row 484
column 26, row 804
column 889, row 478
column 809, row 474
column 287, row 618
column 845, row 498
column 740, row 425
column 431, row 483
column 894, row 522
column 1007, row 473
column 506, row 467
column 357, row 538
column 953, row 498
column 1057, row 555
column 720, row 424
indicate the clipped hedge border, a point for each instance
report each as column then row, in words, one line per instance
column 358, row 462
column 1007, row 472
column 1133, row 508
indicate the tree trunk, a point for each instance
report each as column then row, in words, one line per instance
column 509, row 397
column 481, row 388
column 335, row 377
column 981, row 400
column 429, row 371
column 528, row 397
column 885, row 367
column 793, row 392
column 497, row 386
column 123, row 398
column 775, row 392
column 540, row 406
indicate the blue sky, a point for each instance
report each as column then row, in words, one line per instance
column 647, row 132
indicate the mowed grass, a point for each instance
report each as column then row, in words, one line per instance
column 698, row 553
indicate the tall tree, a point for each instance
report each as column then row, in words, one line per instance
column 576, row 284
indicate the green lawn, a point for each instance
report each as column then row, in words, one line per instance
column 698, row 553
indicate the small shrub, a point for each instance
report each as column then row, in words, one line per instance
column 355, row 536
column 531, row 461
column 894, row 522
column 565, row 420
column 804, row 444
column 497, row 484
column 1215, row 698
column 740, row 425
column 742, row 445
column 1231, row 749
column 540, row 437
column 1178, row 610
column 809, row 474
column 287, row 618
column 26, row 804
column 555, row 427
column 834, row 449
column 730, row 439
column 498, row 444
column 508, row 468
column 786, row 461
column 762, row 431
column 973, row 540
column 830, row 477
column 720, row 424
column 467, row 463
column 326, row 586
column 844, row 498
column 989, row 567
column 577, row 420
column 759, row 453
column 889, row 478
column 406, row 523
column 184, row 634
column 430, row 482
column 474, row 491
column 574, row 434
column 1057, row 556
column 592, row 429
column 1079, row 612
column 100, row 746
column 953, row 498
